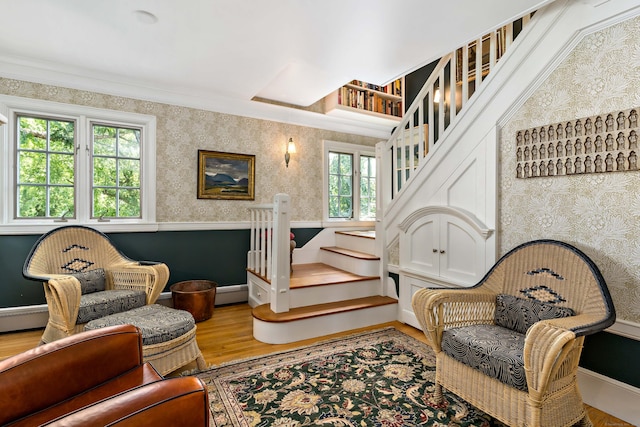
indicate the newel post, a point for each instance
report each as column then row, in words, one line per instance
column 280, row 270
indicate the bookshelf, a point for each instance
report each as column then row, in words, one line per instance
column 368, row 101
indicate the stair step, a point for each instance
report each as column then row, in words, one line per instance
column 264, row 313
column 367, row 234
column 318, row 274
column 351, row 253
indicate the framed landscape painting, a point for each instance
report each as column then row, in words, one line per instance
column 225, row 176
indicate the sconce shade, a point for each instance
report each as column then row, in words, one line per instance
column 291, row 148
column 436, row 96
column 3, row 120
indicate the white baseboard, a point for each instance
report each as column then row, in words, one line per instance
column 36, row 316
column 609, row 395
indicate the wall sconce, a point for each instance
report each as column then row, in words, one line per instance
column 3, row 120
column 436, row 96
column 291, row 148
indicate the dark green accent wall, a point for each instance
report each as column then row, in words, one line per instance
column 217, row 255
column 612, row 355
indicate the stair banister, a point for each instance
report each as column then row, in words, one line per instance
column 281, row 268
column 408, row 145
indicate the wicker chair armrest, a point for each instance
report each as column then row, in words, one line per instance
column 548, row 348
column 63, row 299
column 441, row 309
column 149, row 278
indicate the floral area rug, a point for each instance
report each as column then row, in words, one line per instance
column 380, row 378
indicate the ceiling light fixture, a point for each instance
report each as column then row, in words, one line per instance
column 146, row 17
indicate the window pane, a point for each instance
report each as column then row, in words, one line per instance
column 345, row 207
column 346, row 162
column 129, row 143
column 334, row 163
column 334, row 210
column 33, row 133
column 104, row 171
column 104, row 141
column 61, row 136
column 61, row 167
column 104, row 202
column 129, row 173
column 129, row 203
column 61, row 201
column 32, row 201
column 32, row 167
column 345, row 186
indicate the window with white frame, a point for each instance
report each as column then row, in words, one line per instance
column 349, row 182
column 68, row 163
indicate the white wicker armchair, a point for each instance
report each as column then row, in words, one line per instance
column 62, row 258
column 511, row 344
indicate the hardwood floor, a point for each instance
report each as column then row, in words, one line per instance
column 228, row 336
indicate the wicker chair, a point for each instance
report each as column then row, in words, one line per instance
column 85, row 277
column 511, row 344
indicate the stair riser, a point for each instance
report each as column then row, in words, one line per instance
column 356, row 243
column 313, row 295
column 286, row 332
column 357, row 266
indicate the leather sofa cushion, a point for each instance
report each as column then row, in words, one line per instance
column 520, row 314
column 104, row 303
column 141, row 375
column 494, row 350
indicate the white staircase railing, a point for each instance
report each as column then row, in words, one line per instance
column 452, row 83
column 269, row 249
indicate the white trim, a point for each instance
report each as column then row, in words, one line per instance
column 609, row 395
column 626, row 329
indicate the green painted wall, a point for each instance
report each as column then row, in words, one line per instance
column 217, row 255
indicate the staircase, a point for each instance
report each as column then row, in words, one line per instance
column 344, row 286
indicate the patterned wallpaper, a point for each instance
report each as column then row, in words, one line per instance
column 598, row 213
column 182, row 131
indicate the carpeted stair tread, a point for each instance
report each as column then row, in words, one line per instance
column 351, row 253
column 264, row 313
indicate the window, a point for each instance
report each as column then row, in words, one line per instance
column 74, row 164
column 350, row 182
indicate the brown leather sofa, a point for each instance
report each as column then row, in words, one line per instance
column 96, row 378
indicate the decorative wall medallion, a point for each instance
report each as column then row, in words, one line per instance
column 596, row 144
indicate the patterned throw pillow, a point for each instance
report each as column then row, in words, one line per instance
column 519, row 314
column 91, row 281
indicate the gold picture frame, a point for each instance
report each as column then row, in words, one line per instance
column 226, row 176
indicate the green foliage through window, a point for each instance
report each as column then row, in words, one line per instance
column 45, row 168
column 116, row 172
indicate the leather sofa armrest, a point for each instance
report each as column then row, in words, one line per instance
column 172, row 402
column 48, row 374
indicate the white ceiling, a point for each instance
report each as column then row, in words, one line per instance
column 292, row 51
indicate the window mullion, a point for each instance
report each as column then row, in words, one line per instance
column 83, row 170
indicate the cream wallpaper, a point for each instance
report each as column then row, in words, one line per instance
column 182, row 131
column 598, row 213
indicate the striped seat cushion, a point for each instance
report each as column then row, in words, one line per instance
column 494, row 350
